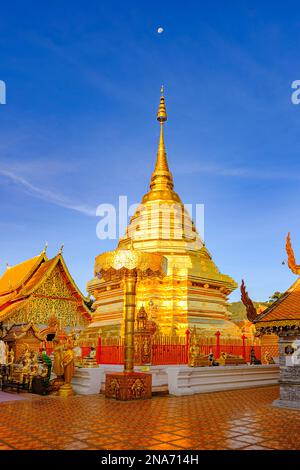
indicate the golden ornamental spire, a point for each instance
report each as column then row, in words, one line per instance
column 162, row 113
column 161, row 177
column 45, row 248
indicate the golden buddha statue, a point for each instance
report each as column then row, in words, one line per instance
column 10, row 361
column 26, row 368
column 68, row 366
column 194, row 349
column 33, row 369
column 58, row 355
column 78, row 360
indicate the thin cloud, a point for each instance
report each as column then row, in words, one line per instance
column 47, row 195
column 235, row 172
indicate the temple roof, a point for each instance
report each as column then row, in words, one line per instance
column 284, row 312
column 14, row 276
column 286, row 307
column 20, row 281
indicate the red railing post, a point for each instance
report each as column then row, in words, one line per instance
column 244, row 347
column 98, row 352
column 187, row 344
column 218, row 352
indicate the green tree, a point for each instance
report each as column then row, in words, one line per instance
column 276, row 296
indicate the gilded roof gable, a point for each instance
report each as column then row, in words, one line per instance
column 43, row 279
column 15, row 276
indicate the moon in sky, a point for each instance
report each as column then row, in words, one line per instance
column 160, row 30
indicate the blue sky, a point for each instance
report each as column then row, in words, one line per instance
column 79, row 126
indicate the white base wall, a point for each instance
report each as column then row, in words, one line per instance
column 183, row 380
column 190, row 380
column 87, row 380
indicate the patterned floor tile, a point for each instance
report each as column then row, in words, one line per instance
column 239, row 419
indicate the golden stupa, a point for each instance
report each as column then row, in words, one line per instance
column 193, row 293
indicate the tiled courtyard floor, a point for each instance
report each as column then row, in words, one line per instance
column 225, row 420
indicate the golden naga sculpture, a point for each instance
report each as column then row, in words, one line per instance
column 251, row 310
column 295, row 268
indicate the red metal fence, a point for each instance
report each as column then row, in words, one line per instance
column 172, row 350
column 110, row 351
column 169, row 350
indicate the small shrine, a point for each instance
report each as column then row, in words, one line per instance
column 282, row 319
column 22, row 337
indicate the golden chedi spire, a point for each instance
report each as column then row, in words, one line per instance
column 161, row 185
column 161, row 160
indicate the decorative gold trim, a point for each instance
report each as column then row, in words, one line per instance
column 130, row 260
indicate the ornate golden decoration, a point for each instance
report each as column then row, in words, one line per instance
column 138, row 388
column 29, row 330
column 128, row 386
column 54, row 285
column 41, row 308
column 53, row 296
column 130, row 259
column 277, row 323
column 114, row 387
column 194, row 356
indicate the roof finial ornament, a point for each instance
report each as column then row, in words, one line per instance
column 8, row 266
column 161, row 183
column 162, row 112
column 61, row 249
column 45, row 247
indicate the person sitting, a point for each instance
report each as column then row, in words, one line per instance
column 253, row 359
column 211, row 359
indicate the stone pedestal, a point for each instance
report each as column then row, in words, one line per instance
column 128, row 386
column 289, row 387
column 65, row 391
